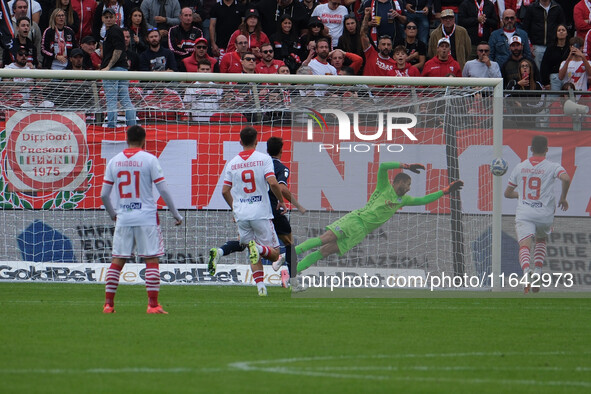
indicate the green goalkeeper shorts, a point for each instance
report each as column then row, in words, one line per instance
column 350, row 231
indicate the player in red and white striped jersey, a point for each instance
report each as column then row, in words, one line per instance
column 247, row 178
column 131, row 173
column 532, row 182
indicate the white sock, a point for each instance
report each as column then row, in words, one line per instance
column 261, row 285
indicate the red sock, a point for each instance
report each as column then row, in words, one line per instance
column 524, row 257
column 112, row 279
column 266, row 251
column 258, row 276
column 152, row 283
column 539, row 254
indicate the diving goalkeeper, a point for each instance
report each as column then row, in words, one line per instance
column 347, row 232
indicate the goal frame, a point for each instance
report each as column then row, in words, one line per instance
column 496, row 84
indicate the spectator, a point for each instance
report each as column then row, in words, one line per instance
column 271, row 11
column 20, row 8
column 114, row 59
column 479, row 18
column 315, row 31
column 350, row 40
column 85, row 10
column 582, row 18
column 286, row 45
column 252, row 30
column 76, row 60
column 161, row 14
column 249, row 63
column 319, row 64
column 34, row 10
column 203, row 100
column 72, row 18
column 309, row 5
column 20, row 62
column 416, row 50
column 268, row 64
column 21, row 42
column 283, row 70
column 225, row 17
column 197, row 12
column 133, row 59
column 526, row 104
column 156, row 57
column 482, row 67
column 390, row 17
column 121, row 10
column 232, row 61
column 461, row 45
column 58, row 41
column 332, row 16
column 417, row 12
column 541, row 20
column 403, row 67
column 92, row 58
column 191, row 63
column 576, row 68
column 377, row 62
column 443, row 64
column 340, row 59
column 555, row 54
column 510, row 70
column 138, row 28
column 500, row 50
column 182, row 37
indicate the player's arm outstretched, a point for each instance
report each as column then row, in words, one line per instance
column 429, row 198
column 393, row 165
column 565, row 179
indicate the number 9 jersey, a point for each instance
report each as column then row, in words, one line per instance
column 247, row 175
column 533, row 179
column 132, row 173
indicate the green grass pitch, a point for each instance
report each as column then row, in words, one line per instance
column 56, row 339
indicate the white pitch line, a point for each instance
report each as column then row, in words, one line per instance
column 59, row 371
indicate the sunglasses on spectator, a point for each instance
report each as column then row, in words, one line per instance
column 201, row 47
column 315, row 26
column 250, row 59
column 241, row 42
column 22, row 54
column 411, row 27
column 484, row 50
column 268, row 51
column 152, row 29
column 509, row 18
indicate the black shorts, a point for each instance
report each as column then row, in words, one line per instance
column 281, row 223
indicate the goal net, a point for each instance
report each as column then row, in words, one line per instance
column 55, row 147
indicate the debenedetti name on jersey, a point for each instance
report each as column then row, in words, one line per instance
column 248, row 164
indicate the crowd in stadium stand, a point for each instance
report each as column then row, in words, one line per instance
column 534, row 45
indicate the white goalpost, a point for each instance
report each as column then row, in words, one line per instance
column 337, row 131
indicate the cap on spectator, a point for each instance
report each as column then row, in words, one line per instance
column 448, row 12
column 201, row 39
column 443, row 40
column 76, row 52
column 88, row 40
column 515, row 39
column 315, row 21
column 109, row 11
column 251, row 12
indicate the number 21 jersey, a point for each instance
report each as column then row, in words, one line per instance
column 132, row 173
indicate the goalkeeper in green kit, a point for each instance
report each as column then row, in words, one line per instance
column 347, row 232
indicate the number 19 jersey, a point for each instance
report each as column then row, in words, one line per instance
column 534, row 182
column 247, row 175
column 132, row 173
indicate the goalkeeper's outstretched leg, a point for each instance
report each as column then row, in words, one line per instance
column 328, row 245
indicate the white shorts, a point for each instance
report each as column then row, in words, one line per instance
column 525, row 229
column 145, row 241
column 261, row 231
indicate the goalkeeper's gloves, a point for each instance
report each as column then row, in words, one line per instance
column 455, row 185
column 413, row 167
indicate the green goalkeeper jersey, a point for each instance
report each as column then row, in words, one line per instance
column 384, row 202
